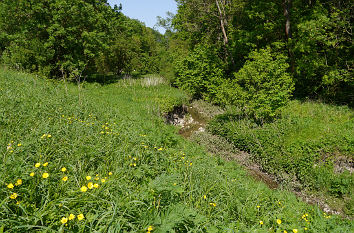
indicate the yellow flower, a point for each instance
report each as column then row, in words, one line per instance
column 83, row 188
column 295, row 230
column 285, row 231
column 88, row 177
column 103, row 180
column 63, row 169
column 96, row 186
column 32, row 174
column 305, row 228
column 278, row 221
column 150, row 228
column 18, row 182
column 212, row 204
column 45, row 164
column 49, row 136
column 90, row 185
column 80, row 217
column 261, row 222
column 65, row 178
column 10, row 186
column 97, row 178
column 45, row 175
column 37, row 165
column 14, row 196
column 71, row 216
column 258, row 206
column 160, row 149
column 110, row 173
column 19, row 144
column 205, row 197
column 64, row 220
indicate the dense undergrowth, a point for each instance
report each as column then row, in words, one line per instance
column 94, row 158
column 311, row 146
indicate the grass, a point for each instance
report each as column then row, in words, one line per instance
column 144, row 176
column 311, row 147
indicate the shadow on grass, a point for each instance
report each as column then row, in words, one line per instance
column 105, row 79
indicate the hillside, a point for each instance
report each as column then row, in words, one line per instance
column 94, row 158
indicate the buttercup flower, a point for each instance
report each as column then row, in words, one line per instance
column 45, row 175
column 64, row 220
column 103, row 180
column 65, row 178
column 88, row 177
column 71, row 216
column 45, row 164
column 295, row 230
column 261, row 222
column 90, row 185
column 278, row 221
column 37, row 165
column 18, row 182
column 150, row 228
column 83, row 188
column 63, row 169
column 10, row 186
column 80, row 217
column 96, row 186
column 110, row 173
column 32, row 174
column 14, row 196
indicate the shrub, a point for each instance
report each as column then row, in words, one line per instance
column 262, row 87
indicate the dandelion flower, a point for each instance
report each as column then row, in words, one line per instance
column 71, row 216
column 90, row 185
column 14, row 196
column 64, row 220
column 65, row 178
column 10, row 186
column 63, row 169
column 80, row 217
column 88, row 177
column 83, row 188
column 278, row 221
column 96, row 186
column 18, row 182
column 45, row 175
column 261, row 222
column 45, row 164
column 37, row 165
column 32, row 174
column 110, row 173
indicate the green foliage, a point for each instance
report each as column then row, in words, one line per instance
column 308, row 144
column 158, row 179
column 262, row 87
column 199, row 72
column 70, row 39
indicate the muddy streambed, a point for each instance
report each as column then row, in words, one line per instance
column 191, row 121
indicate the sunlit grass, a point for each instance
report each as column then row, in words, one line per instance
column 101, row 159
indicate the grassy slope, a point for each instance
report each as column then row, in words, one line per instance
column 308, row 144
column 158, row 178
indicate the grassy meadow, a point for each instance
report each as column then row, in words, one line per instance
column 95, row 158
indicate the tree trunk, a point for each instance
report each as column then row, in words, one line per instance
column 288, row 33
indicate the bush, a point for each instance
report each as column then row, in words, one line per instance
column 262, row 87
column 197, row 72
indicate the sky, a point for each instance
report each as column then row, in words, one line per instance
column 146, row 10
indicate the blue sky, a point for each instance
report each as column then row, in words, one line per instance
column 146, row 10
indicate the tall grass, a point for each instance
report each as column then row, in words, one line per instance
column 125, row 170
